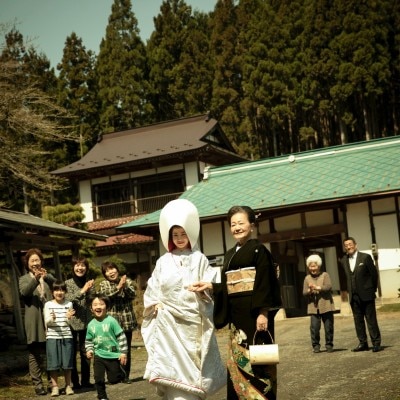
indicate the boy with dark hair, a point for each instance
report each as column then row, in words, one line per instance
column 106, row 343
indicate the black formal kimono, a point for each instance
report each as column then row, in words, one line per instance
column 242, row 308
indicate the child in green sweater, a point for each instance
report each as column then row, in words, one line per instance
column 106, row 344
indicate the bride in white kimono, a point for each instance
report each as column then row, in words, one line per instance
column 178, row 331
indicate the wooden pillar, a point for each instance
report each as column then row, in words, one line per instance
column 19, row 323
column 57, row 267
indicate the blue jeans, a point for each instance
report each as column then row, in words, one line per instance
column 315, row 327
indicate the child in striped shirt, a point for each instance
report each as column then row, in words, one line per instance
column 59, row 342
column 106, row 343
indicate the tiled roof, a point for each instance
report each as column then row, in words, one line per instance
column 158, row 142
column 331, row 174
column 102, row 225
column 126, row 239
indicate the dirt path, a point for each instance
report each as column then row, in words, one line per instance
column 305, row 375
column 301, row 373
column 341, row 374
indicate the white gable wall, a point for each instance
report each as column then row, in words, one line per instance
column 85, row 198
column 358, row 225
column 212, row 239
column 191, row 174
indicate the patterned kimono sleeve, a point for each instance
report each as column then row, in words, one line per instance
column 108, row 288
column 129, row 289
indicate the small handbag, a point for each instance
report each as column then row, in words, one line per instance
column 261, row 353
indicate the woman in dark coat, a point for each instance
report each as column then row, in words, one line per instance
column 79, row 287
column 248, row 298
column 35, row 289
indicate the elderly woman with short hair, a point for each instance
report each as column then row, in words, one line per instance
column 318, row 290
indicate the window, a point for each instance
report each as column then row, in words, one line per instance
column 159, row 185
column 112, row 199
column 141, row 195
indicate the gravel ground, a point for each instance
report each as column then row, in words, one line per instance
column 302, row 374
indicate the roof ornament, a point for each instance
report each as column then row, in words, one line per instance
column 292, row 158
column 208, row 116
column 99, row 137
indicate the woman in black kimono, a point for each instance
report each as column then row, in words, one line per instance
column 248, row 298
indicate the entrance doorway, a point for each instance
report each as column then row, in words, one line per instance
column 293, row 270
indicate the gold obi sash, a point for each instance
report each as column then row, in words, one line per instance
column 240, row 280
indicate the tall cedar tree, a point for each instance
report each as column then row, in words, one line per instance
column 315, row 72
column 391, row 120
column 121, row 72
column 320, row 64
column 271, row 75
column 364, row 66
column 262, row 87
column 227, row 82
column 30, row 120
column 77, row 92
column 167, row 58
column 190, row 86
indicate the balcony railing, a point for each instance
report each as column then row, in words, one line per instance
column 132, row 207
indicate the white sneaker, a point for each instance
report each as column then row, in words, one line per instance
column 69, row 390
column 55, row 391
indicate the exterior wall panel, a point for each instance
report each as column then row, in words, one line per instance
column 212, row 239
column 319, row 218
column 288, row 222
column 85, row 194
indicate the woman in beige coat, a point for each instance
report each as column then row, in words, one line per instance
column 318, row 290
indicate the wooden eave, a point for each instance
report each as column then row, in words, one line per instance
column 24, row 230
column 208, row 154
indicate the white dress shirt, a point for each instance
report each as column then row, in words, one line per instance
column 352, row 261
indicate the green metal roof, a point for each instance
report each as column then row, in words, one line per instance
column 329, row 174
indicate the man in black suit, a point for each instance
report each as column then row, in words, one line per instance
column 362, row 283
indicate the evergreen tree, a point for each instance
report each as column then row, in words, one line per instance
column 227, row 82
column 121, row 72
column 319, row 65
column 167, row 58
column 364, row 62
column 190, row 86
column 78, row 94
column 390, row 100
column 72, row 215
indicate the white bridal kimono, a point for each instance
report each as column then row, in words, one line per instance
column 180, row 337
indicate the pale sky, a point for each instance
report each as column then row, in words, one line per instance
column 49, row 22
